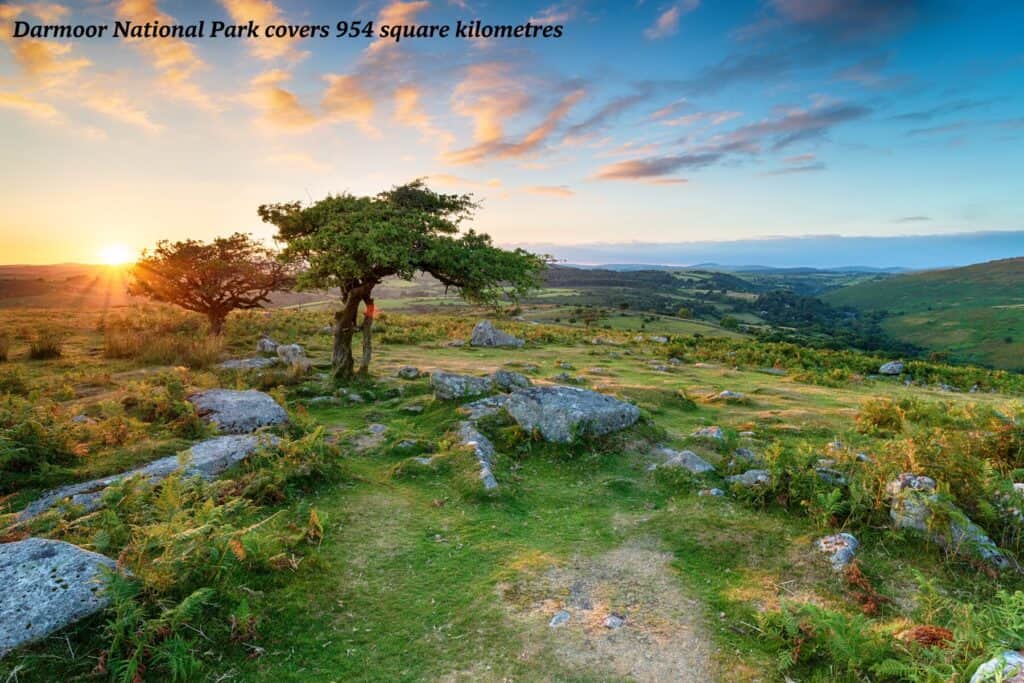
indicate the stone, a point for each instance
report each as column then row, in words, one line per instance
column 730, row 396
column 238, row 412
column 751, row 479
column 47, row 585
column 448, row 385
column 687, row 460
column 247, row 363
column 292, row 354
column 841, row 549
column 510, row 381
column 266, row 345
column 561, row 617
column 561, row 413
column 1006, row 668
column 913, row 505
column 894, row 367
column 371, row 438
column 485, row 406
column 486, row 334
column 456, row 344
column 408, row 372
column 614, row 621
column 659, row 339
column 778, row 372
column 713, row 492
column 830, row 476
column 566, row 366
column 82, row 419
column 415, row 408
column 206, row 459
column 713, row 433
column 483, row 449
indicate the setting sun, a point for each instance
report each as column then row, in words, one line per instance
column 116, row 255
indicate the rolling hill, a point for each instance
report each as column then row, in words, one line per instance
column 974, row 313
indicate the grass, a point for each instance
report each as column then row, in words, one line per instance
column 420, row 576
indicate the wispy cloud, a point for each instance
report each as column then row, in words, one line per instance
column 911, row 219
column 551, row 190
column 263, row 12
column 656, row 167
column 280, row 109
column 667, row 23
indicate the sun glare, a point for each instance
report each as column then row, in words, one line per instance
column 116, row 255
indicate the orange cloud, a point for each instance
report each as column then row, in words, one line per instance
column 280, row 107
column 45, row 60
column 409, row 112
column 347, row 100
column 489, row 94
column 27, row 105
column 263, row 12
column 551, row 190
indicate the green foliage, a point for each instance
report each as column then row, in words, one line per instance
column 46, row 344
column 880, row 415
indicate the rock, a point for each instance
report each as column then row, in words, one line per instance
column 659, row 340
column 47, row 585
column 688, row 460
column 715, row 492
column 747, row 435
column 455, row 344
column 751, row 479
column 566, row 366
column 778, row 372
column 247, row 363
column 486, row 334
column 713, row 433
column 372, row 438
column 327, row 329
column 424, row 460
column 913, row 505
column 483, row 449
column 561, row 413
column 891, row 368
column 82, row 419
column 206, row 459
column 448, row 385
column 415, row 409
column 614, row 621
column 509, row 381
column 266, row 345
column 1006, row 668
column 566, row 378
column 355, row 398
column 830, row 476
column 841, row 549
column 561, row 617
column 485, row 406
column 730, row 396
column 408, row 372
column 292, row 354
column 238, row 412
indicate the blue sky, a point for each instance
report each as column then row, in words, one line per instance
column 647, row 121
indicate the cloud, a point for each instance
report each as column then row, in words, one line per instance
column 46, row 61
column 263, row 12
column 667, row 23
column 911, row 219
column 103, row 99
column 551, row 190
column 938, row 130
column 799, row 125
column 346, row 99
column 555, row 14
column 449, row 180
column 943, row 110
column 27, row 105
column 409, row 112
column 610, row 111
column 534, row 139
column 489, row 94
column 655, row 167
column 280, row 108
column 670, row 109
column 715, row 118
column 805, row 168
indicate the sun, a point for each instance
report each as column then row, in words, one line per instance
column 116, row 255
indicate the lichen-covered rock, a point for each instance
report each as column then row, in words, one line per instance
column 510, row 381
column 840, row 548
column 408, row 372
column 247, row 363
column 486, row 334
column 266, row 345
column 485, row 406
column 449, row 386
column 292, row 354
column 238, row 412
column 47, row 585
column 206, row 459
column 1006, row 668
column 687, row 460
column 915, row 505
column 562, row 413
column 894, row 367
column 712, row 433
column 483, row 449
column 751, row 479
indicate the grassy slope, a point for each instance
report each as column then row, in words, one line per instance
column 969, row 312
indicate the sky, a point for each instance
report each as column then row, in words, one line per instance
column 647, row 122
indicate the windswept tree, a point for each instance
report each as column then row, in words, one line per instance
column 353, row 243
column 215, row 278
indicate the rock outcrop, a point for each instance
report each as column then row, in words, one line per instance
column 483, row 449
column 891, row 368
column 1006, row 668
column 449, row 386
column 687, row 460
column 486, row 334
column 266, row 345
column 238, row 412
column 247, row 363
column 510, row 381
column 561, row 413
column 751, row 479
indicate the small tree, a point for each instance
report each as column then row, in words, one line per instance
column 213, row 279
column 353, row 243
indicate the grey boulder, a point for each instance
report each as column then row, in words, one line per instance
column 751, row 479
column 711, row 433
column 408, row 372
column 238, row 412
column 448, row 385
column 266, row 345
column 1008, row 667
column 292, row 354
column 47, row 585
column 561, row 413
column 486, row 334
column 840, row 548
column 510, row 381
column 247, row 363
column 687, row 460
column 483, row 449
column 891, row 368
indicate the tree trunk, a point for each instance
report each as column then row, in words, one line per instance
column 216, row 320
column 368, row 315
column 344, row 329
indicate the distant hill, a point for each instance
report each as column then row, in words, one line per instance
column 974, row 313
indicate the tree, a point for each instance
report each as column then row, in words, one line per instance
column 353, row 243
column 215, row 278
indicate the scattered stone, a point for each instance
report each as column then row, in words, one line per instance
column 292, row 354
column 604, row 341
column 415, row 409
column 864, row 457
column 47, row 585
column 206, row 459
column 355, row 398
column 408, row 372
column 448, row 385
column 486, row 334
column 713, row 433
column 510, row 381
column 82, row 419
column 561, row 413
column 485, row 406
column 746, row 435
column 914, row 504
column 830, row 476
column 659, row 339
column 561, row 617
column 566, row 378
column 406, row 444
column 778, row 372
column 1006, row 668
column 456, row 344
column 424, row 460
column 483, row 449
column 751, row 479
column 659, row 367
column 238, row 412
column 266, row 345
column 614, row 621
column 894, row 367
column 714, row 492
column 566, row 366
column 730, row 396
column 247, row 363
column 687, row 460
column 373, row 437
column 841, row 549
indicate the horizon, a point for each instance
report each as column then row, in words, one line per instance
column 747, row 118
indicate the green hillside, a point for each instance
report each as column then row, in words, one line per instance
column 975, row 313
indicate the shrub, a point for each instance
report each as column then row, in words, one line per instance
column 5, row 346
column 880, row 415
column 45, row 345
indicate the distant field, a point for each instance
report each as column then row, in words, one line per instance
column 975, row 314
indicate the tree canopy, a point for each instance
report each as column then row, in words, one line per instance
column 211, row 278
column 354, row 242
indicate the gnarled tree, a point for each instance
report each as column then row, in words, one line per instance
column 353, row 243
column 214, row 278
